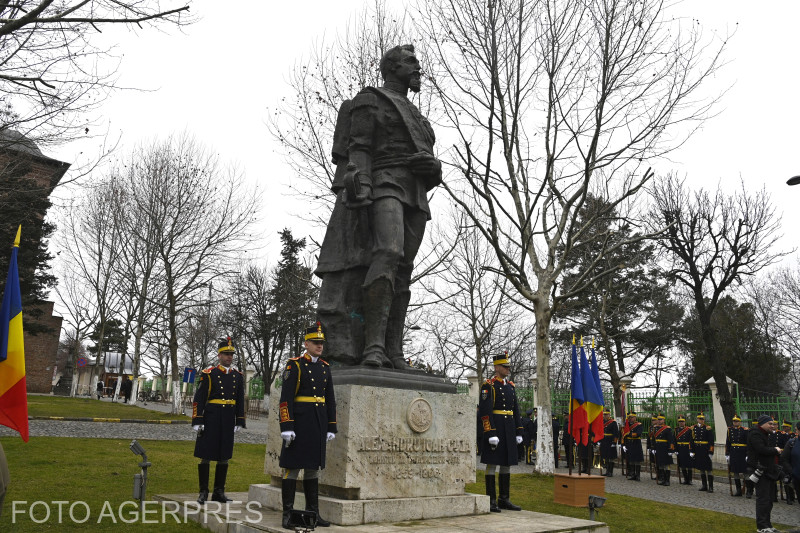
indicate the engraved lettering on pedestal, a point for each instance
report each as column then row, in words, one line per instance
column 420, row 415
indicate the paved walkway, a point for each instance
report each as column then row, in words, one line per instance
column 689, row 495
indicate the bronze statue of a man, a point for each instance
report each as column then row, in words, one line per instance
column 383, row 151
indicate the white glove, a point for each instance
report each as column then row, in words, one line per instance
column 652, row 452
column 691, row 454
column 624, row 448
column 236, row 429
column 727, row 458
column 330, row 436
column 619, row 446
column 672, row 454
column 519, row 439
column 288, row 436
column 199, row 427
column 711, row 455
column 494, row 441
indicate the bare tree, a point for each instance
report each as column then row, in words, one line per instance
column 714, row 240
column 92, row 243
column 549, row 101
column 468, row 314
column 77, row 298
column 52, row 71
column 200, row 212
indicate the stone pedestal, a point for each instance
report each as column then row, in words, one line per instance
column 400, row 454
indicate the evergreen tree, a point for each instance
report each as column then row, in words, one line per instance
column 628, row 306
column 753, row 358
column 24, row 202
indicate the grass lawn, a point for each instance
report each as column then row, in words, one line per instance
column 88, row 407
column 50, row 469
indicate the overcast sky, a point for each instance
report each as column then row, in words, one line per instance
column 217, row 79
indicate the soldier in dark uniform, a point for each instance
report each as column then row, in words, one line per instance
column 772, row 442
column 608, row 446
column 664, row 445
column 568, row 442
column 784, row 435
column 502, row 432
column 703, row 451
column 307, row 414
column 736, row 452
column 383, row 150
column 528, row 436
column 632, row 446
column 683, row 447
column 218, row 411
column 556, row 429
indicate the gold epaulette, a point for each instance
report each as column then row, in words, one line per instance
column 323, row 361
column 208, row 370
column 511, row 383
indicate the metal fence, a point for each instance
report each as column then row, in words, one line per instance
column 672, row 403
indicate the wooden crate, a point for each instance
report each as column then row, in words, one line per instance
column 574, row 490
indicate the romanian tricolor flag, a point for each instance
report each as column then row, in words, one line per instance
column 13, row 394
column 578, row 423
column 592, row 405
column 597, row 423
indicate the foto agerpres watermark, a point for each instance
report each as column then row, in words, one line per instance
column 130, row 512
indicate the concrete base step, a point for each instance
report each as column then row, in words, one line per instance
column 248, row 516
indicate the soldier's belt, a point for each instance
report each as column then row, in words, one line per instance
column 662, row 440
column 310, row 399
column 634, row 438
column 223, row 402
column 498, row 412
column 701, row 442
column 735, row 444
column 608, row 434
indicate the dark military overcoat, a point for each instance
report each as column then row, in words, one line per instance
column 702, row 446
column 608, row 450
column 736, row 448
column 663, row 444
column 499, row 412
column 218, row 405
column 307, row 407
column 683, row 445
column 632, row 440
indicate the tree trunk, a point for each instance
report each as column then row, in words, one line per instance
column 173, row 358
column 544, row 435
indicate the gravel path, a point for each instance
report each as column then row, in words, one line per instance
column 688, row 495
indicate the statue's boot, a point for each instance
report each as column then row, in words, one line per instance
column 394, row 331
column 377, row 301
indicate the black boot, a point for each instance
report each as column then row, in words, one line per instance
column 610, row 472
column 689, row 480
column 220, row 474
column 377, row 301
column 667, row 474
column 659, row 476
column 288, row 487
column 738, row 483
column 311, row 490
column 394, row 329
column 710, row 482
column 492, row 494
column 789, row 494
column 704, row 480
column 683, row 476
column 202, row 472
column 505, row 489
column 638, row 474
column 749, row 486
